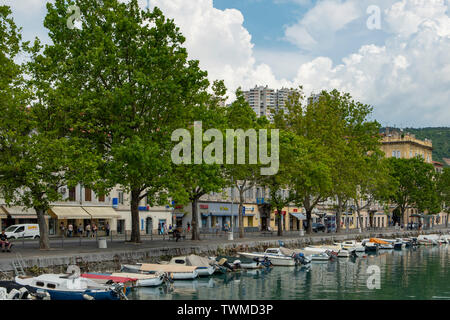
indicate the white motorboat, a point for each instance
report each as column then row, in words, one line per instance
column 142, row 280
column 273, row 254
column 428, row 240
column 353, row 244
column 346, row 253
column 204, row 268
column 175, row 272
column 320, row 257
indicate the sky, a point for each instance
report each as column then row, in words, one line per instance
column 391, row 54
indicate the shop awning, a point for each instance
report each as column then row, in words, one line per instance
column 69, row 213
column 102, row 212
column 19, row 212
column 299, row 216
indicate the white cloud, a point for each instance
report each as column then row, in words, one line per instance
column 322, row 22
column 406, row 76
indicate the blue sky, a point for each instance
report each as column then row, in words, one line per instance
column 401, row 68
column 265, row 19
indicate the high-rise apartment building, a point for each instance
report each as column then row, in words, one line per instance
column 264, row 101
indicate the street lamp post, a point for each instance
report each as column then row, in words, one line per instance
column 231, row 235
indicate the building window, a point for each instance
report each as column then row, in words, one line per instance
column 72, row 194
column 393, row 154
column 121, row 197
column 101, row 198
column 87, row 194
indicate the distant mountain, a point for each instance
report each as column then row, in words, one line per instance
column 440, row 136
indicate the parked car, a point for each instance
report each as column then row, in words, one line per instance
column 18, row 231
column 316, row 227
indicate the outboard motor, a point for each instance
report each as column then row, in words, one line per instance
column 265, row 262
column 223, row 262
column 300, row 259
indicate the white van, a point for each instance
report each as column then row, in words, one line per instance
column 22, row 231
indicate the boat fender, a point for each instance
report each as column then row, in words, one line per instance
column 88, row 297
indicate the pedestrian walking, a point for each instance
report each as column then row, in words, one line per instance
column 88, row 230
column 217, row 227
column 94, row 230
column 188, row 227
column 165, row 228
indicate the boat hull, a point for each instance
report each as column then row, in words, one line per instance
column 205, row 271
column 276, row 260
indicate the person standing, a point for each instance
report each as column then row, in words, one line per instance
column 94, row 230
column 62, row 228
column 88, row 230
column 70, row 230
column 165, row 228
column 107, row 229
column 188, row 227
column 80, row 230
column 4, row 241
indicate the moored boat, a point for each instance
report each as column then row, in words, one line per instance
column 175, row 272
column 69, row 287
column 204, row 268
column 128, row 279
column 274, row 254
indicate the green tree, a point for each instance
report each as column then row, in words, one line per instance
column 192, row 180
column 310, row 175
column 290, row 150
column 123, row 83
column 416, row 185
column 443, row 187
column 244, row 176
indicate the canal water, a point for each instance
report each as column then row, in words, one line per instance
column 422, row 273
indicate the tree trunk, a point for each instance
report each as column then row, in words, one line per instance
column 194, row 224
column 446, row 222
column 279, row 222
column 241, row 217
column 338, row 218
column 358, row 212
column 44, row 243
column 135, row 233
column 308, row 221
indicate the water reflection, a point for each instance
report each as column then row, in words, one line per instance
column 420, row 273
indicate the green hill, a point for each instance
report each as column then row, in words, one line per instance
column 440, row 136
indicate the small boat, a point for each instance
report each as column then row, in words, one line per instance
column 369, row 246
column 320, row 257
column 70, row 287
column 128, row 279
column 204, row 268
column 175, row 272
column 346, row 253
column 428, row 240
column 273, row 254
column 399, row 244
column 353, row 244
column 382, row 244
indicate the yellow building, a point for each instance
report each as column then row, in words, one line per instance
column 404, row 145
